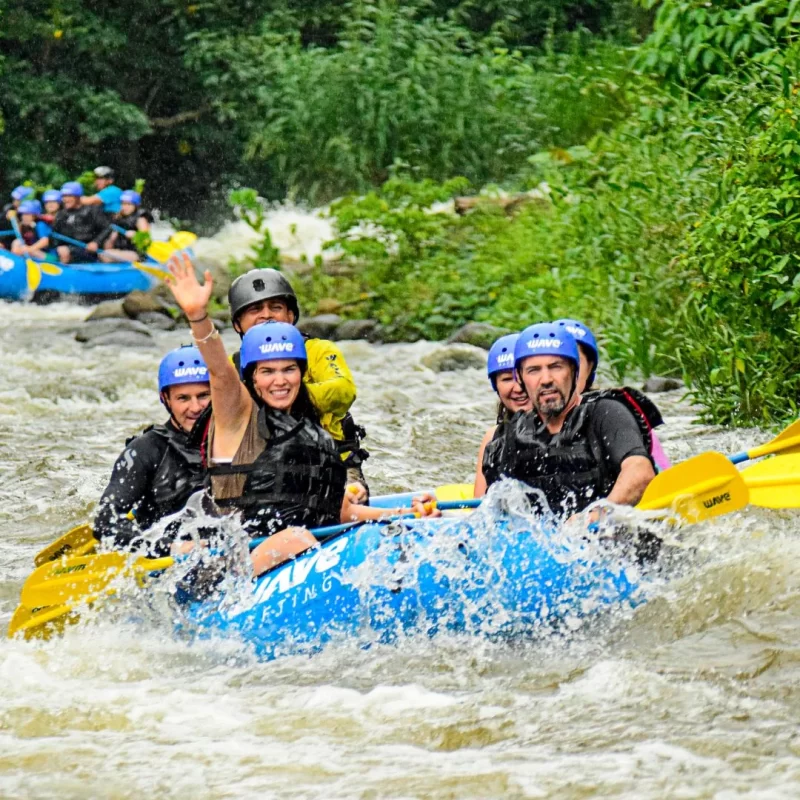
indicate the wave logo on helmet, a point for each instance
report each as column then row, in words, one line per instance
column 538, row 344
column 277, row 347
column 505, row 358
column 577, row 332
column 194, row 372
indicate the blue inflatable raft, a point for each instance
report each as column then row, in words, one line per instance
column 23, row 278
column 378, row 582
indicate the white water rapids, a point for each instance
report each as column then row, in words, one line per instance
column 694, row 695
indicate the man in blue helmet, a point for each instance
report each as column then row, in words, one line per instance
column 158, row 470
column 574, row 452
column 109, row 196
column 87, row 224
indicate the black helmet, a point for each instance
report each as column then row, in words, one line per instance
column 104, row 172
column 261, row 284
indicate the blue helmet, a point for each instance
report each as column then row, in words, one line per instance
column 51, row 196
column 129, row 196
column 30, row 207
column 583, row 336
column 501, row 356
column 183, row 365
column 72, row 189
column 272, row 341
column 21, row 192
column 546, row 339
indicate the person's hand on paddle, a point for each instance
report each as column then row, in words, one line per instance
column 425, row 506
column 357, row 493
column 92, row 247
column 190, row 295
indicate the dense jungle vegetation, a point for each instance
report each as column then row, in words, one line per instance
column 660, row 139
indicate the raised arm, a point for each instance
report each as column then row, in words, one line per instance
column 229, row 396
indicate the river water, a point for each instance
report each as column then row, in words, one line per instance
column 694, row 695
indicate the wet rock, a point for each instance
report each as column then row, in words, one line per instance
column 102, row 327
column 108, row 309
column 220, row 322
column 455, row 357
column 656, row 384
column 478, row 334
column 378, row 335
column 122, row 339
column 138, row 302
column 221, row 276
column 157, row 320
column 320, row 327
column 355, row 329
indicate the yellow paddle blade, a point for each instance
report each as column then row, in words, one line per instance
column 79, row 541
column 151, row 269
column 775, row 482
column 788, row 441
column 697, row 489
column 181, row 239
column 161, row 251
column 71, row 580
column 41, row 623
column 33, row 275
column 454, row 491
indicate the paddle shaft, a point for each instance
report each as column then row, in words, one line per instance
column 788, row 439
column 12, row 218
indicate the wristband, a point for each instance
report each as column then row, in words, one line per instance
column 205, row 316
column 212, row 335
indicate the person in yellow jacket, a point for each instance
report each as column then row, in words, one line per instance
column 261, row 295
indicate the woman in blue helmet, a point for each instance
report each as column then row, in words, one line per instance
column 642, row 407
column 573, row 450
column 34, row 232
column 158, row 470
column 268, row 457
column 512, row 397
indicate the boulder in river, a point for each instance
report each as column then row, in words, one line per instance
column 108, row 309
column 138, row 302
column 655, row 384
column 104, row 327
column 355, row 329
column 157, row 320
column 455, row 357
column 121, row 340
column 478, row 334
column 320, row 327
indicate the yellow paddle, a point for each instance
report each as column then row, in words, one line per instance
column 71, row 580
column 454, row 491
column 697, row 489
column 775, row 482
column 41, row 623
column 787, row 440
column 79, row 541
column 161, row 251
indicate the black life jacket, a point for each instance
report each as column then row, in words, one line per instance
column 570, row 467
column 128, row 222
column 179, row 473
column 298, row 479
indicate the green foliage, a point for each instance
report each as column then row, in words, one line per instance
column 694, row 39
column 740, row 328
column 424, row 95
column 250, row 207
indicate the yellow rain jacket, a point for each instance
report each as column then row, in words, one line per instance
column 330, row 384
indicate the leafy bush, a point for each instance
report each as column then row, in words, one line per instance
column 740, row 330
column 398, row 91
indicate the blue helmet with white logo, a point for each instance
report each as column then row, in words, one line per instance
column 272, row 341
column 585, row 338
column 30, row 207
column 129, row 196
column 183, row 365
column 21, row 192
column 546, row 339
column 72, row 189
column 51, row 196
column 501, row 356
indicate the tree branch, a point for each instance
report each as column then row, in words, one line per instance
column 178, row 119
